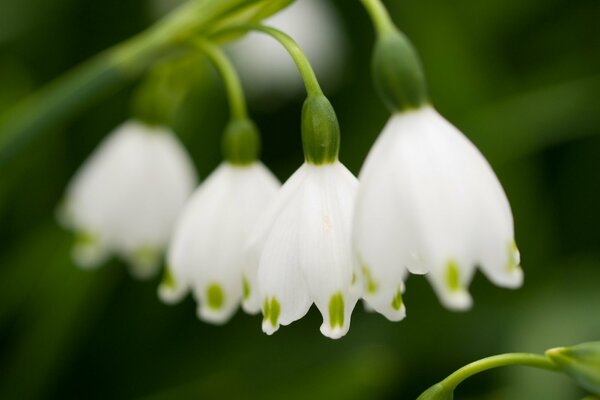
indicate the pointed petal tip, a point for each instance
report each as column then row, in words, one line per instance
column 212, row 316
column 170, row 295
column 334, row 333
column 269, row 328
column 458, row 300
column 251, row 307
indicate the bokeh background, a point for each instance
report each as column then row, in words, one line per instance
column 520, row 78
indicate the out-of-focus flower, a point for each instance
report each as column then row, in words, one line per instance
column 429, row 203
column 124, row 200
column 206, row 253
column 265, row 66
column 300, row 252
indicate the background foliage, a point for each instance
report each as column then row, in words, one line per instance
column 520, row 78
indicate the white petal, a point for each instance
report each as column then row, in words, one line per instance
column 130, row 191
column 252, row 303
column 207, row 250
column 282, row 287
column 325, row 244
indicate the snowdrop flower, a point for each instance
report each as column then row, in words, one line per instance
column 315, row 25
column 300, row 252
column 206, row 253
column 124, row 200
column 430, row 203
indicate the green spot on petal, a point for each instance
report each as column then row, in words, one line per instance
column 353, row 278
column 85, row 239
column 146, row 256
column 215, row 296
column 453, row 276
column 513, row 251
column 371, row 285
column 246, row 288
column 271, row 311
column 397, row 301
column 168, row 278
column 336, row 310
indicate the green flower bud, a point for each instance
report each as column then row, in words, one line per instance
column 581, row 362
column 397, row 72
column 241, row 142
column 437, row 392
column 320, row 131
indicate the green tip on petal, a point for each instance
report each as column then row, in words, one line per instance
column 513, row 256
column 453, row 276
column 336, row 310
column 168, row 279
column 271, row 311
column 397, row 301
column 215, row 297
column 245, row 289
column 371, row 286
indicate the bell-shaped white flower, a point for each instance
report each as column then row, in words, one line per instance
column 430, row 203
column 266, row 67
column 300, row 252
column 206, row 253
column 126, row 197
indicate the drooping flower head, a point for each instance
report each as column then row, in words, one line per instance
column 125, row 198
column 428, row 203
column 206, row 253
column 300, row 253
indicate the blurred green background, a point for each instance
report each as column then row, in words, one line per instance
column 520, row 78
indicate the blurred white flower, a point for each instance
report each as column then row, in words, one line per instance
column 125, row 198
column 206, row 253
column 266, row 67
column 430, row 203
column 300, row 251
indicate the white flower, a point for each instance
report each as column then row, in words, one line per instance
column 430, row 203
column 124, row 200
column 206, row 253
column 300, row 252
column 266, row 67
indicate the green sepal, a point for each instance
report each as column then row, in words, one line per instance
column 320, row 131
column 241, row 142
column 397, row 72
column 581, row 362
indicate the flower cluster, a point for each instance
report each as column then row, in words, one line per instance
column 425, row 202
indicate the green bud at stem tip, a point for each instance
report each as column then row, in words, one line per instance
column 397, row 72
column 320, row 131
column 581, row 363
column 241, row 142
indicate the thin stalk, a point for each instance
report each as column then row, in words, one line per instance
column 306, row 71
column 233, row 86
column 379, row 15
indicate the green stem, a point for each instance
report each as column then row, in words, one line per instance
column 77, row 90
column 379, row 15
column 308, row 74
column 233, row 86
column 444, row 389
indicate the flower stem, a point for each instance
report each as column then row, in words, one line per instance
column 448, row 385
column 308, row 74
column 233, row 86
column 379, row 15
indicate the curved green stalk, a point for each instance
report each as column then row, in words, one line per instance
column 233, row 86
column 75, row 91
column 445, row 388
column 379, row 15
column 308, row 74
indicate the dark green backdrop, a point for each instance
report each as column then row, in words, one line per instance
column 520, row 78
